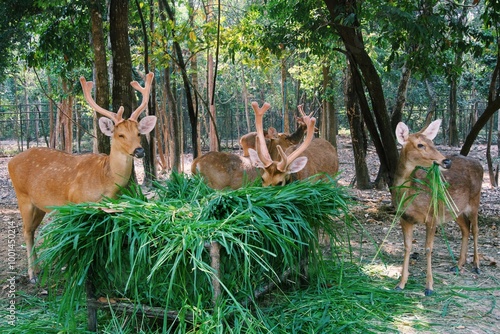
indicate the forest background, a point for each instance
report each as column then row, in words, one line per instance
column 361, row 66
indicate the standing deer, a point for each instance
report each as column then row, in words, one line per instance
column 44, row 177
column 311, row 157
column 464, row 176
column 225, row 170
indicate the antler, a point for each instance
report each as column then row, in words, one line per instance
column 87, row 88
column 301, row 110
column 145, row 94
column 286, row 160
column 261, row 147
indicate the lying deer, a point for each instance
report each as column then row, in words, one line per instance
column 44, row 177
column 464, row 176
column 311, row 157
column 225, row 170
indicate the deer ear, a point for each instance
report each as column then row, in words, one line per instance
column 297, row 165
column 254, row 158
column 402, row 133
column 272, row 133
column 107, row 126
column 147, row 124
column 432, row 130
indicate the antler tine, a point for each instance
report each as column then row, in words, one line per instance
column 145, row 95
column 87, row 89
column 301, row 110
column 286, row 160
column 262, row 151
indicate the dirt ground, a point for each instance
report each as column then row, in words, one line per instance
column 477, row 314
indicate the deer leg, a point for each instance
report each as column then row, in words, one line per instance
column 32, row 217
column 468, row 224
column 430, row 232
column 464, row 224
column 407, row 229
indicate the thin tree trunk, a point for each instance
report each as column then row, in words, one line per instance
column 357, row 134
column 98, row 43
column 397, row 110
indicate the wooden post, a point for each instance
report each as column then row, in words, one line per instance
column 215, row 264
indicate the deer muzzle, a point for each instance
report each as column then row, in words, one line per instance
column 139, row 152
column 446, row 163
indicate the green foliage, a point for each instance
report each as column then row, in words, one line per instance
column 154, row 251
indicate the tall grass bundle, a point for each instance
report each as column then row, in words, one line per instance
column 154, row 251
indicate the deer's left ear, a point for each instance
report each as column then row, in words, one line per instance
column 147, row 124
column 107, row 126
column 297, row 165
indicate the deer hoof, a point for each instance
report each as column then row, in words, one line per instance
column 398, row 288
column 34, row 280
column 476, row 270
column 428, row 292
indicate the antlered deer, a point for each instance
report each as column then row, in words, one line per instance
column 464, row 176
column 225, row 170
column 273, row 138
column 44, row 177
column 311, row 157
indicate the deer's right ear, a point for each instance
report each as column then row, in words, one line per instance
column 147, row 124
column 402, row 133
column 432, row 130
column 254, row 158
column 107, row 126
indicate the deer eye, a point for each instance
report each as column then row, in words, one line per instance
column 420, row 146
column 121, row 136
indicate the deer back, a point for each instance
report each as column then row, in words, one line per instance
column 321, row 157
column 224, row 170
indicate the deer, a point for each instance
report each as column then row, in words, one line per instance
column 44, row 178
column 464, row 176
column 226, row 170
column 313, row 156
column 273, row 138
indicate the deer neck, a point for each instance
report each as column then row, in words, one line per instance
column 119, row 166
column 403, row 170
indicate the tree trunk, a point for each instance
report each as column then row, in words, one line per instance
column 122, row 61
column 452, row 127
column 491, row 108
column 329, row 116
column 98, row 43
column 384, row 140
column 193, row 117
column 147, row 141
column 358, row 137
column 397, row 110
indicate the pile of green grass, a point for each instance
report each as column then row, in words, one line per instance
column 153, row 251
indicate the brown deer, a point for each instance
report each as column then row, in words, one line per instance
column 222, row 170
column 464, row 176
column 273, row 138
column 44, row 177
column 225, row 170
column 311, row 157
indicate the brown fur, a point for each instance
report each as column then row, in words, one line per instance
column 224, row 170
column 465, row 179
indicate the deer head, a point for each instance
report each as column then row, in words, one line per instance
column 125, row 133
column 277, row 172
